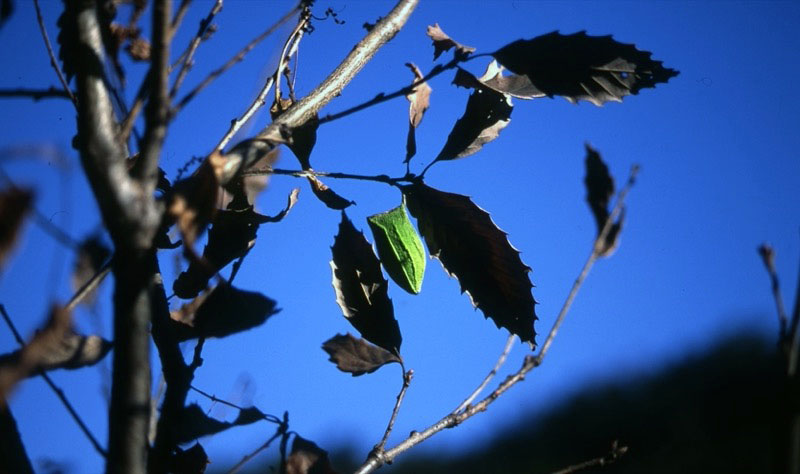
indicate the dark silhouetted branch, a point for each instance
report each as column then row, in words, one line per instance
column 611, row 457
column 51, row 54
column 35, row 94
column 188, row 55
column 281, row 432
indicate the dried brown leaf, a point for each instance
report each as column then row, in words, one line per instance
column 139, row 49
column 327, row 195
column 442, row 43
column 56, row 346
column 193, row 203
column 514, row 85
column 224, row 311
column 599, row 189
column 15, row 204
column 419, row 100
column 597, row 69
column 361, row 291
column 194, row 423
column 357, row 356
column 307, row 458
column 488, row 112
column 303, row 138
column 474, row 250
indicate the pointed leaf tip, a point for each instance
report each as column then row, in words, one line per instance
column 474, row 250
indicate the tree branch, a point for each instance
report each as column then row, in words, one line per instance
column 500, row 361
column 35, row 94
column 188, row 55
column 308, row 107
column 407, row 376
column 52, row 55
column 612, row 456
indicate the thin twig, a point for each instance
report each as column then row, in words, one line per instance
column 768, row 257
column 306, row 108
column 55, row 388
column 280, row 432
column 179, row 15
column 90, row 285
column 213, row 398
column 610, row 457
column 35, row 94
column 407, row 376
column 500, row 361
column 231, row 62
column 237, row 124
column 188, row 55
column 291, row 44
column 530, row 362
column 381, row 178
column 53, row 61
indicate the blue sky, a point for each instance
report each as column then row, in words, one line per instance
column 720, row 173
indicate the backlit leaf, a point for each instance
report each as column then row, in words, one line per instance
column 474, row 250
column 357, row 356
column 224, row 311
column 399, row 248
column 327, row 195
column 194, row 423
column 597, row 69
column 361, row 291
column 515, row 85
column 488, row 112
column 599, row 189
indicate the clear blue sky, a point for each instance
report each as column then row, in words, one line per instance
column 720, row 174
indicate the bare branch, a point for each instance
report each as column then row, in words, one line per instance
column 179, row 15
column 89, row 286
column 407, row 376
column 35, row 94
column 500, row 361
column 188, row 55
column 237, row 124
column 238, row 57
column 157, row 110
column 610, row 457
column 531, row 362
column 52, row 55
column 281, row 432
column 307, row 107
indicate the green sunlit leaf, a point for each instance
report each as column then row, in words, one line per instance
column 399, row 248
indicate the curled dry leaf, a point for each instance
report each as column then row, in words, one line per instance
column 488, row 112
column 224, row 311
column 399, row 248
column 474, row 250
column 139, row 50
column 56, row 346
column 419, row 100
column 357, row 356
column 599, row 189
column 442, row 43
column 597, row 69
column 232, row 234
column 193, row 202
column 195, row 423
column 361, row 291
column 307, row 458
column 15, row 204
column 327, row 195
